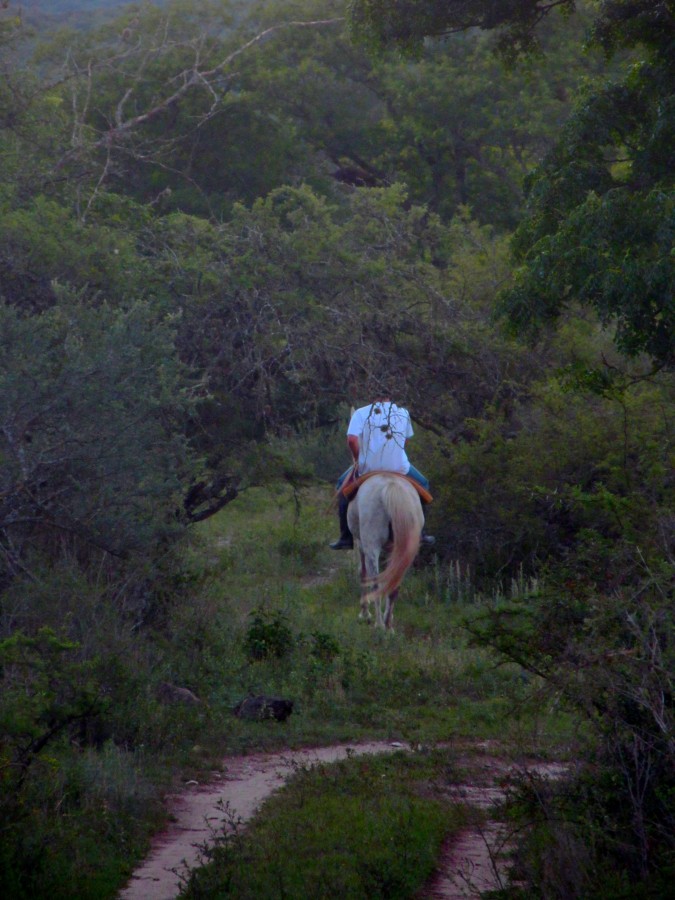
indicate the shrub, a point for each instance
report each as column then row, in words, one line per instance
column 610, row 657
column 324, row 646
column 268, row 635
column 92, row 460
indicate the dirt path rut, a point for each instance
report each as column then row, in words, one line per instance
column 471, row 862
column 476, row 860
column 199, row 810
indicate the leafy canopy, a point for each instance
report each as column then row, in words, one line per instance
column 601, row 216
column 405, row 23
column 600, row 222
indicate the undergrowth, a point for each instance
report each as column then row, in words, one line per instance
column 359, row 828
column 108, row 702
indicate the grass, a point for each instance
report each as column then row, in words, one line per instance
column 85, row 813
column 422, row 684
column 360, row 828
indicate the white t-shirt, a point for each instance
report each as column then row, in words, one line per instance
column 382, row 430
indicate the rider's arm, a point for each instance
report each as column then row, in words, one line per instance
column 353, row 444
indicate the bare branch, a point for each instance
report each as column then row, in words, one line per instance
column 195, row 77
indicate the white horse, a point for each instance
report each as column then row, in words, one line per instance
column 386, row 515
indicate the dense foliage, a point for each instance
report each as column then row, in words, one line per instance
column 221, row 224
column 407, row 22
column 601, row 204
column 599, row 227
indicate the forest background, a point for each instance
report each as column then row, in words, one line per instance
column 221, row 224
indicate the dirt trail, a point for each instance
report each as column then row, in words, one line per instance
column 476, row 860
column 199, row 810
column 472, row 862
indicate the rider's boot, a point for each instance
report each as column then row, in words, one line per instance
column 345, row 541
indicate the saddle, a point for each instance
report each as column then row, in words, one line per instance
column 351, row 485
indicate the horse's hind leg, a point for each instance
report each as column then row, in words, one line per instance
column 365, row 591
column 379, row 618
column 389, row 610
column 370, row 571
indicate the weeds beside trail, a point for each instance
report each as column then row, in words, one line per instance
column 276, row 613
column 282, row 610
column 368, row 826
column 254, row 603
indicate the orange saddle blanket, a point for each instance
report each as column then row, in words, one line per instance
column 351, row 485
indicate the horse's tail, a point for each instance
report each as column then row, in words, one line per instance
column 403, row 507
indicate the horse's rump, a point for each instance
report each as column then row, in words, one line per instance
column 401, row 506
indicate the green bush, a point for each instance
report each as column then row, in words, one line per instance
column 268, row 635
column 59, row 806
column 324, row 646
column 611, row 658
column 91, row 458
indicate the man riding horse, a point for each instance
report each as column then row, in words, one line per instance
column 376, row 438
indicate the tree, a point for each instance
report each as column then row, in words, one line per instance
column 406, row 23
column 599, row 228
column 601, row 218
column 44, row 245
column 463, row 130
column 143, row 86
column 451, row 124
column 91, row 451
column 298, row 303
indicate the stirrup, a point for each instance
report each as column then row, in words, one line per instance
column 427, row 539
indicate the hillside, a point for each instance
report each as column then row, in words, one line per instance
column 222, row 227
